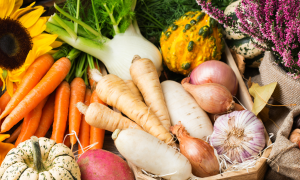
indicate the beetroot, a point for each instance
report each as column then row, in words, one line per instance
column 98, row 164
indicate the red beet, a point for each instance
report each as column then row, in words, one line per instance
column 98, row 164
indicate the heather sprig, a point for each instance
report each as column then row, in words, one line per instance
column 274, row 24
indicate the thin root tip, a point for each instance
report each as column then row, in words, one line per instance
column 95, row 74
column 81, row 107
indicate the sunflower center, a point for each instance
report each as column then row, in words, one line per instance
column 15, row 43
column 9, row 45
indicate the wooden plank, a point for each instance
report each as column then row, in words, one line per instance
column 242, row 94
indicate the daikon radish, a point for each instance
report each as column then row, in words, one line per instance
column 183, row 107
column 152, row 155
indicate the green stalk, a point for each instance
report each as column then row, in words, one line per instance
column 80, row 31
column 70, row 76
column 73, row 54
column 63, row 52
column 96, row 18
column 98, row 50
column 112, row 18
column 66, row 27
column 80, row 66
column 86, row 81
column 90, row 29
column 77, row 17
column 90, row 61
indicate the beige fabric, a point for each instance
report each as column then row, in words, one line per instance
column 285, row 155
column 288, row 89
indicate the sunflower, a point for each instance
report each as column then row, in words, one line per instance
column 21, row 40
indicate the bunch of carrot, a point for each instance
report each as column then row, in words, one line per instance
column 44, row 98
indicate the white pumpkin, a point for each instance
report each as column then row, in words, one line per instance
column 239, row 42
column 40, row 159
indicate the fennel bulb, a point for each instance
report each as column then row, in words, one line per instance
column 116, row 53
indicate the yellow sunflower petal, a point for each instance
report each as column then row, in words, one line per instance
column 2, row 79
column 9, row 85
column 38, row 27
column 17, row 74
column 3, row 137
column 44, row 40
column 6, row 7
column 43, row 50
column 31, row 18
column 21, row 11
column 18, row 4
column 56, row 44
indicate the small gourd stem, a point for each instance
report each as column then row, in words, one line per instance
column 37, row 155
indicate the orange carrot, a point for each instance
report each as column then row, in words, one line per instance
column 5, row 98
column 47, row 117
column 31, row 122
column 33, row 75
column 61, row 109
column 46, row 86
column 84, row 132
column 67, row 139
column 96, row 134
column 14, row 135
column 77, row 95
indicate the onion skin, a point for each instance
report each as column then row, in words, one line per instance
column 198, row 152
column 295, row 136
column 214, row 117
column 211, row 97
column 215, row 72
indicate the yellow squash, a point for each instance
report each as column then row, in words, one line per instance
column 191, row 40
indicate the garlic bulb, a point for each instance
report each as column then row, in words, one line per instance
column 238, row 135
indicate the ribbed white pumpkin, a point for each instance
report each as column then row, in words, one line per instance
column 40, row 159
column 240, row 42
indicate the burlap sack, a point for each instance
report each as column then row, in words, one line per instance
column 288, row 89
column 285, row 155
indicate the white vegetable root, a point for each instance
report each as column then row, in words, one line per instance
column 152, row 155
column 183, row 107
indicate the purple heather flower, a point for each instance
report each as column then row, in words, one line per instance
column 275, row 23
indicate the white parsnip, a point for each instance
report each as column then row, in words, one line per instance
column 183, row 107
column 145, row 77
column 154, row 156
column 135, row 91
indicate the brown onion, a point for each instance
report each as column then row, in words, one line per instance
column 211, row 97
column 198, row 152
column 214, row 71
column 295, row 136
